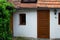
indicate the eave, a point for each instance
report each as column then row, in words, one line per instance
column 40, row 3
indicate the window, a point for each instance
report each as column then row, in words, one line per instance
column 16, row 0
column 22, row 19
column 28, row 1
column 59, row 18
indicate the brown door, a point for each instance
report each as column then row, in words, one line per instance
column 43, row 23
column 11, row 24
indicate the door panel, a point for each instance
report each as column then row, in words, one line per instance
column 43, row 23
column 11, row 23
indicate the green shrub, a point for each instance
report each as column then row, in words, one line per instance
column 6, row 10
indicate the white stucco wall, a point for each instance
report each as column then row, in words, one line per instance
column 54, row 26
column 28, row 30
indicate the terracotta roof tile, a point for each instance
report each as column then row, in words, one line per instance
column 40, row 3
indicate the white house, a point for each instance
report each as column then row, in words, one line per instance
column 37, row 19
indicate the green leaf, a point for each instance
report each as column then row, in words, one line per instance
column 5, row 19
column 3, row 1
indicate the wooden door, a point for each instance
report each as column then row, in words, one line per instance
column 11, row 24
column 43, row 23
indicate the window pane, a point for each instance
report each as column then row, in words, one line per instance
column 28, row 1
column 32, row 0
column 22, row 19
column 59, row 18
column 25, row 0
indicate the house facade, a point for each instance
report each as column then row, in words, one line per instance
column 36, row 18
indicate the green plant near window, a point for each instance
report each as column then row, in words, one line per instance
column 6, row 10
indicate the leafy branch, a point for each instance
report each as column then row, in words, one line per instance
column 6, row 10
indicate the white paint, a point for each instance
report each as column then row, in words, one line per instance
column 28, row 30
column 54, row 26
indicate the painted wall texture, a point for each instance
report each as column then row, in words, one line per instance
column 28, row 30
column 54, row 26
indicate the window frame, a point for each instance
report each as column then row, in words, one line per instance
column 21, row 18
